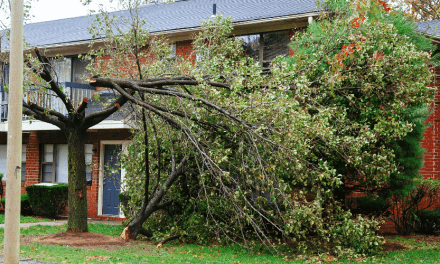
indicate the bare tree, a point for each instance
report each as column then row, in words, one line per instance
column 74, row 127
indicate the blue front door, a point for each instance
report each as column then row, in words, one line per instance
column 112, row 180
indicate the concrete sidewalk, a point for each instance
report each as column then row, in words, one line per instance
column 62, row 222
column 29, row 261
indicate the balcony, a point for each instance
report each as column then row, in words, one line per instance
column 75, row 91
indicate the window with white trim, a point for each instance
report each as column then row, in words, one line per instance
column 54, row 165
column 3, row 159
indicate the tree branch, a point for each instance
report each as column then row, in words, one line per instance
column 38, row 108
column 83, row 105
column 97, row 117
column 42, row 117
column 47, row 76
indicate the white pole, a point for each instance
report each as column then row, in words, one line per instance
column 13, row 164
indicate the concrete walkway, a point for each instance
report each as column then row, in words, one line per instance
column 28, row 261
column 53, row 223
column 64, row 221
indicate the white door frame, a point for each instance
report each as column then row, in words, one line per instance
column 124, row 144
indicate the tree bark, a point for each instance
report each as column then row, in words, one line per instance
column 77, row 221
column 135, row 228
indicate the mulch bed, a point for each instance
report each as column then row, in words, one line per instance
column 392, row 246
column 77, row 239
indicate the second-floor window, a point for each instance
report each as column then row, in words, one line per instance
column 71, row 69
column 264, row 47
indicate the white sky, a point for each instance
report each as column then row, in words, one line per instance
column 45, row 10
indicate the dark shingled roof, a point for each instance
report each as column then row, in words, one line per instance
column 166, row 17
column 429, row 27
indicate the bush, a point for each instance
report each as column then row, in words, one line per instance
column 25, row 207
column 408, row 207
column 48, row 200
column 428, row 222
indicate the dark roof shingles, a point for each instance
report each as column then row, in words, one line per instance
column 173, row 16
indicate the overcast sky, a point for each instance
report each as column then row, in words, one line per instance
column 45, row 10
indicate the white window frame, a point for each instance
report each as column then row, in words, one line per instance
column 54, row 158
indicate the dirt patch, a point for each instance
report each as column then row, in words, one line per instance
column 392, row 246
column 80, row 239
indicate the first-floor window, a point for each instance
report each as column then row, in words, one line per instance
column 3, row 158
column 88, row 151
column 54, row 165
column 23, row 163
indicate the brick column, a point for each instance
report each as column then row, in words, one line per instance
column 33, row 160
column 93, row 191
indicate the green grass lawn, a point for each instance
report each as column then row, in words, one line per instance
column 26, row 219
column 142, row 251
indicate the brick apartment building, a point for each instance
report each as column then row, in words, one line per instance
column 264, row 25
column 257, row 22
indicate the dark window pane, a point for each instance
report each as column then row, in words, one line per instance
column 88, row 174
column 23, row 172
column 251, row 45
column 47, row 172
column 79, row 71
column 275, row 44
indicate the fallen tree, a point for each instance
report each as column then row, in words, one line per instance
column 228, row 150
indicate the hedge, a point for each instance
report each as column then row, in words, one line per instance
column 48, row 200
column 25, row 207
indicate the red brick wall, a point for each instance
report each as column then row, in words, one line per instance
column 32, row 161
column 431, row 141
column 34, row 140
column 184, row 49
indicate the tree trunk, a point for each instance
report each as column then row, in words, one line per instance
column 77, row 221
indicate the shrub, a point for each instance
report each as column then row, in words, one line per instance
column 358, row 235
column 406, row 208
column 428, row 222
column 25, row 207
column 48, row 200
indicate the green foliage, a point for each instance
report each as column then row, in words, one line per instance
column 327, row 117
column 358, row 236
column 428, row 222
column 25, row 206
column 48, row 200
column 408, row 154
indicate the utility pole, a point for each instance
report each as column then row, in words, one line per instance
column 13, row 164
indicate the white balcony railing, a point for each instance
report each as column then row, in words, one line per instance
column 75, row 91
